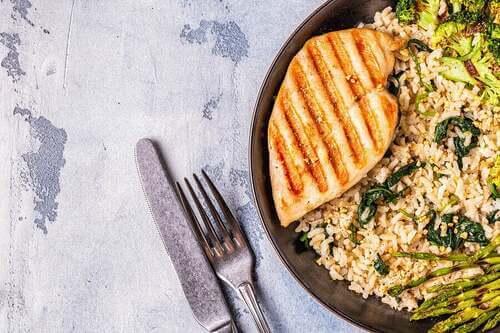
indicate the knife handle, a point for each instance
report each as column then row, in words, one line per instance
column 247, row 292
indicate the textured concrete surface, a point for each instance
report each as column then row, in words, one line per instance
column 80, row 83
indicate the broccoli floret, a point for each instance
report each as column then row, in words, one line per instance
column 466, row 17
column 456, row 71
column 474, row 5
column 493, row 30
column 494, row 48
column 469, row 5
column 428, row 14
column 485, row 63
column 456, row 5
column 462, row 45
column 444, row 31
column 405, row 11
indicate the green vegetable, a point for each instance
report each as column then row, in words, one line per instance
column 493, row 216
column 428, row 14
column 465, row 17
column 302, row 242
column 419, row 46
column 368, row 205
column 418, row 99
column 464, row 316
column 492, row 323
column 431, row 256
column 474, row 325
column 353, row 236
column 445, row 31
column 474, row 230
column 478, row 257
column 494, row 179
column 466, row 125
column 380, row 266
column 455, row 288
column 452, row 202
column 459, row 6
column 456, row 71
column 486, row 251
column 450, row 239
column 394, row 84
column 455, row 304
column 406, row 11
column 453, row 237
column 466, row 284
column 396, row 290
column 402, row 172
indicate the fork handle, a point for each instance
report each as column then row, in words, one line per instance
column 247, row 292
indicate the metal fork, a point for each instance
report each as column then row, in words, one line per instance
column 226, row 247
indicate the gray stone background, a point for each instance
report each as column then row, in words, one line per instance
column 80, row 83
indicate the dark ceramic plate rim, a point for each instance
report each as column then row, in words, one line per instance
column 282, row 258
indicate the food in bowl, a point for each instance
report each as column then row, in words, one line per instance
column 425, row 221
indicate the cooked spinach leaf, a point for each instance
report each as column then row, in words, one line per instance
column 495, row 192
column 493, row 216
column 419, row 45
column 394, row 85
column 466, row 125
column 302, row 242
column 450, row 239
column 474, row 230
column 454, row 236
column 380, row 266
column 401, row 172
column 368, row 205
column 461, row 150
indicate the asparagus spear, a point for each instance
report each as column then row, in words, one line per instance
column 485, row 251
column 464, row 316
column 431, row 256
column 398, row 289
column 492, row 323
column 463, row 284
column 481, row 255
column 472, row 326
column 493, row 268
column 456, row 288
column 493, row 285
column 453, row 307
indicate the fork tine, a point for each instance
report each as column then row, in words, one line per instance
column 193, row 221
column 235, row 228
column 213, row 211
column 208, row 225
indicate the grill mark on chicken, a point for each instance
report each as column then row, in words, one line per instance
column 358, row 90
column 293, row 180
column 311, row 159
column 323, row 127
column 369, row 59
column 337, row 105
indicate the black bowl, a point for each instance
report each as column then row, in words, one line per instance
column 371, row 313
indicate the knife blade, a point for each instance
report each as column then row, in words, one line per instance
column 198, row 281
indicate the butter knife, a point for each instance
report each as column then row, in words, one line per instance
column 199, row 283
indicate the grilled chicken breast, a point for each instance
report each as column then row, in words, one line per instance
column 332, row 120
